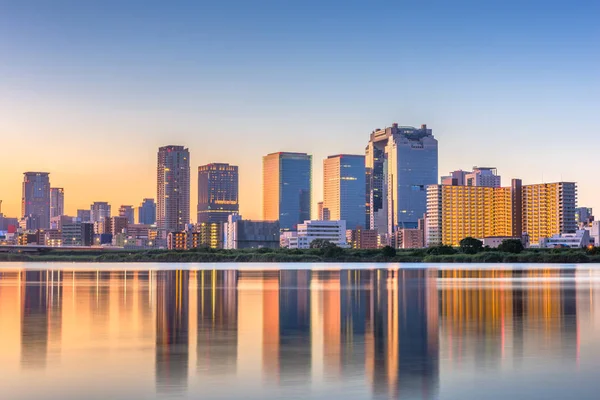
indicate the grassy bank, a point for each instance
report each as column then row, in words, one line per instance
column 314, row 255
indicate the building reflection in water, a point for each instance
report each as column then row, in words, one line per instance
column 383, row 333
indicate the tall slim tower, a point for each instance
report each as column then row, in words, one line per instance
column 217, row 192
column 287, row 185
column 36, row 198
column 401, row 162
column 173, row 188
column 344, row 189
column 57, row 202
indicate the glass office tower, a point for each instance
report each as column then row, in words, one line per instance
column 344, row 189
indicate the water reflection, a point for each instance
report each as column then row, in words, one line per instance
column 296, row 334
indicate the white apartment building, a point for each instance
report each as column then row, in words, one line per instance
column 332, row 231
column 576, row 240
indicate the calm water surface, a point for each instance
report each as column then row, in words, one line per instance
column 132, row 331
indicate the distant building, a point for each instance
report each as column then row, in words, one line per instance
column 118, row 225
column 8, row 224
column 127, row 212
column 31, row 223
column 583, row 216
column 84, row 215
column 362, row 238
column 480, row 176
column 331, row 231
column 217, row 192
column 494, row 241
column 248, row 234
column 400, row 163
column 173, row 188
column 35, row 203
column 594, row 229
column 147, row 212
column 344, row 189
column 71, row 234
column 205, row 235
column 52, row 238
column 58, row 221
column 99, row 211
column 287, row 186
column 408, row 239
column 579, row 239
column 57, row 202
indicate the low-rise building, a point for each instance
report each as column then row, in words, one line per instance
column 330, row 231
column 249, row 234
column 362, row 238
column 579, row 239
column 408, row 239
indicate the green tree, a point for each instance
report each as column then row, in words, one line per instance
column 320, row 244
column 471, row 245
column 388, row 252
column 442, row 250
column 514, row 246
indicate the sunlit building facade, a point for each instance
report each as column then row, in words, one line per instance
column 344, row 189
column 173, row 188
column 539, row 210
column 287, row 186
column 400, row 163
column 217, row 192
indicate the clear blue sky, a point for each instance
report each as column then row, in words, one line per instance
column 90, row 89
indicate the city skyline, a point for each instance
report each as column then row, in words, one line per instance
column 507, row 97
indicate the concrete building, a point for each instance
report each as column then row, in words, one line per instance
column 249, row 234
column 583, row 216
column 287, row 187
column 127, row 212
column 594, row 229
column 57, row 202
column 400, row 163
column 35, row 201
column 117, row 225
column 173, row 188
column 480, row 176
column 344, row 189
column 577, row 240
column 147, row 212
column 540, row 210
column 408, row 239
column 362, row 238
column 52, row 238
column 58, row 221
column 71, row 234
column 218, row 187
column 204, row 235
column 494, row 241
column 100, row 211
column 331, row 231
column 84, row 215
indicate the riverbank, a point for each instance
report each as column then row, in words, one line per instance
column 311, row 255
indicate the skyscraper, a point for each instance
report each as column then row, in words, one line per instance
column 287, row 185
column 217, row 192
column 400, row 163
column 36, row 198
column 99, row 211
column 84, row 215
column 57, row 202
column 344, row 189
column 173, row 188
column 127, row 212
column 147, row 212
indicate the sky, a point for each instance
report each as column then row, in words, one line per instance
column 90, row 89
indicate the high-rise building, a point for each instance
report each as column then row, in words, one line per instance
column 538, row 211
column 173, row 188
column 147, row 212
column 99, row 211
column 480, row 176
column 127, row 212
column 583, row 216
column 400, row 163
column 84, row 215
column 57, row 202
column 287, row 186
column 217, row 192
column 344, row 189
column 36, row 198
column 117, row 225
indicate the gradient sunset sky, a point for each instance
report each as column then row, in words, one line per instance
column 90, row 89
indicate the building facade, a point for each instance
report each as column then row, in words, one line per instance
column 538, row 211
column 287, row 188
column 344, row 189
column 218, row 187
column 84, row 215
column 330, row 231
column 248, row 234
column 57, row 202
column 35, row 201
column 127, row 212
column 400, row 163
column 480, row 176
column 362, row 238
column 100, row 211
column 584, row 216
column 173, row 188
column 147, row 212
